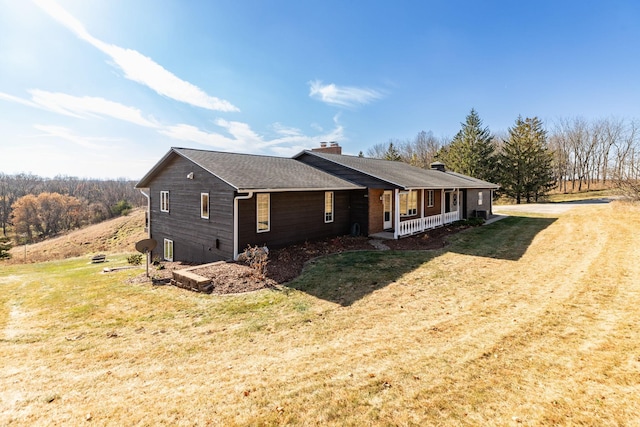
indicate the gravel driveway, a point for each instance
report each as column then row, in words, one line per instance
column 548, row 208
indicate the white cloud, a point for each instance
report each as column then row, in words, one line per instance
column 82, row 106
column 243, row 139
column 343, row 96
column 138, row 67
column 68, row 135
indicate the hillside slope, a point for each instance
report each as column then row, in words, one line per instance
column 113, row 236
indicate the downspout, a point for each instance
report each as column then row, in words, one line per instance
column 148, row 212
column 235, row 221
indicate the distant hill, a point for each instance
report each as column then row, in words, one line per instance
column 116, row 235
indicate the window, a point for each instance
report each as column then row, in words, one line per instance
column 263, row 212
column 409, row 203
column 164, row 201
column 168, row 250
column 480, row 198
column 430, row 202
column 204, row 205
column 328, row 206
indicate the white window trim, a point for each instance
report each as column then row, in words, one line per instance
column 203, row 214
column 258, row 230
column 164, row 201
column 430, row 198
column 168, row 244
column 479, row 198
column 328, row 216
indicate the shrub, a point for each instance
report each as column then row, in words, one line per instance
column 257, row 258
column 5, row 245
column 123, row 208
column 469, row 222
column 135, row 259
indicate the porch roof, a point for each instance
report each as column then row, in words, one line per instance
column 403, row 175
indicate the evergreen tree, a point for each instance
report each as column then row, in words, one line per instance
column 5, row 245
column 472, row 150
column 526, row 161
column 392, row 153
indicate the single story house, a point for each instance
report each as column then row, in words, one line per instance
column 205, row 206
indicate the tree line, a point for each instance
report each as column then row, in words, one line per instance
column 35, row 207
column 530, row 160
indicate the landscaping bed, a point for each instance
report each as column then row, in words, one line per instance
column 287, row 263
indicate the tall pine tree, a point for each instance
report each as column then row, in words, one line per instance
column 526, row 161
column 472, row 150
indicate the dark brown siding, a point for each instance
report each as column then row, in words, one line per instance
column 195, row 239
column 437, row 200
column 359, row 202
column 295, row 217
column 472, row 201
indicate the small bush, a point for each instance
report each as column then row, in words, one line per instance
column 135, row 259
column 123, row 208
column 5, row 245
column 469, row 222
column 257, row 258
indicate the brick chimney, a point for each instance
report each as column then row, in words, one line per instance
column 332, row 148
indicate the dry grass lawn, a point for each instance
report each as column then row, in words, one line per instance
column 529, row 321
column 118, row 235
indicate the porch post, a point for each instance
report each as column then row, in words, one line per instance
column 422, row 204
column 459, row 203
column 396, row 213
column 442, row 206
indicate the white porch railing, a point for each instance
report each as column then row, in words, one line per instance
column 419, row 225
column 450, row 217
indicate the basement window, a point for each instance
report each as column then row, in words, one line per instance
column 168, row 250
column 328, row 206
column 164, row 201
column 263, row 213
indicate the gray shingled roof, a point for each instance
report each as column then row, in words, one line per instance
column 252, row 172
column 402, row 174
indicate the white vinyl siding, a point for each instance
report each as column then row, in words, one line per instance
column 328, row 206
column 168, row 250
column 164, row 201
column 408, row 203
column 263, row 209
column 430, row 199
column 204, row 205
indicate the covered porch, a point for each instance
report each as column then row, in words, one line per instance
column 409, row 219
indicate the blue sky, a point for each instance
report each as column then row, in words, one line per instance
column 103, row 88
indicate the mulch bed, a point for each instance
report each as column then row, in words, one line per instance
column 287, row 263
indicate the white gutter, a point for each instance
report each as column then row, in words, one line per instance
column 148, row 212
column 235, row 221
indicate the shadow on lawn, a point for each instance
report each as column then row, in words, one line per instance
column 506, row 239
column 347, row 277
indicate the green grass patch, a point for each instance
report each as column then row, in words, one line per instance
column 347, row 277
